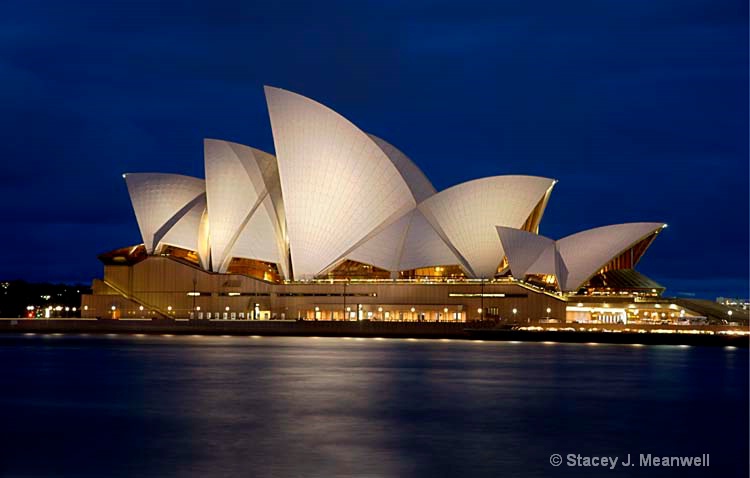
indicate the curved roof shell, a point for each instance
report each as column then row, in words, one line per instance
column 160, row 201
column 420, row 186
column 244, row 204
column 527, row 253
column 424, row 247
column 409, row 243
column 383, row 249
column 185, row 232
column 338, row 184
column 575, row 258
column 337, row 193
column 465, row 215
column 586, row 252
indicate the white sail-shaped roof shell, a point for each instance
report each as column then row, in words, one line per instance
column 466, row 216
column 424, row 247
column 338, row 184
column 527, row 251
column 258, row 239
column 586, row 252
column 420, row 187
column 160, row 201
column 530, row 253
column 383, row 249
column 264, row 237
column 185, row 232
column 203, row 244
column 550, row 262
column 409, row 243
column 337, row 193
column 242, row 211
column 573, row 259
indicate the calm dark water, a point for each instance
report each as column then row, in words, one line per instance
column 241, row 406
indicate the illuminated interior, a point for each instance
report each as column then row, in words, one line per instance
column 180, row 253
column 125, row 255
column 266, row 271
column 349, row 269
column 503, row 268
column 437, row 272
column 386, row 313
column 546, row 281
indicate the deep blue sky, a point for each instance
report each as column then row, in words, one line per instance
column 639, row 108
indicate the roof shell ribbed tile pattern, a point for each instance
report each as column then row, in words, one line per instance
column 420, row 187
column 529, row 253
column 203, row 244
column 586, row 252
column 409, row 243
column 159, row 201
column 550, row 262
column 383, row 250
column 466, row 215
column 525, row 249
column 236, row 190
column 258, row 239
column 184, row 233
column 423, row 246
column 338, row 185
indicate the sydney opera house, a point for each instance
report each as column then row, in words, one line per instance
column 339, row 224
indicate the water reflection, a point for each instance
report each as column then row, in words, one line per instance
column 231, row 406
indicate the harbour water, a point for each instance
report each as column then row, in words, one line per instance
column 127, row 405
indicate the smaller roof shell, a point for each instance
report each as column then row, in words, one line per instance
column 160, row 201
column 465, row 216
column 575, row 258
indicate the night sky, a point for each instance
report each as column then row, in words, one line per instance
column 639, row 108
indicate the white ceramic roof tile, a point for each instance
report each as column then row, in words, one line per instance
column 204, row 246
column 527, row 252
column 159, row 201
column 573, row 259
column 423, row 247
column 239, row 179
column 337, row 184
column 586, row 252
column 467, row 214
column 257, row 240
column 384, row 248
column 421, row 187
column 184, row 233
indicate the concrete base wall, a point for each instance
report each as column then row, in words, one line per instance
column 163, row 287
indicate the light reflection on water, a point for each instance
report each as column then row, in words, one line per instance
column 232, row 406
